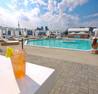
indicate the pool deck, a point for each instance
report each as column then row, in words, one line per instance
column 82, row 57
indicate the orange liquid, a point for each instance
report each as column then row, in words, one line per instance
column 18, row 62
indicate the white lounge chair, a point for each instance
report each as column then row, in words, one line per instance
column 9, row 42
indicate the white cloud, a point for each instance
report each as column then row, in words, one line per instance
column 27, row 19
column 70, row 4
column 91, row 23
column 61, row 7
column 32, row 23
column 33, row 18
column 39, row 2
column 51, row 6
column 91, row 16
column 25, row 2
column 60, row 22
column 7, row 18
column 35, row 11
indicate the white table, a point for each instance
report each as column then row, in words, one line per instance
column 38, row 79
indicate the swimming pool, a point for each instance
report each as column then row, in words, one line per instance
column 73, row 44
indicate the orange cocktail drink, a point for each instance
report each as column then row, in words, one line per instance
column 18, row 63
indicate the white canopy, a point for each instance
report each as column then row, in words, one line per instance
column 77, row 33
column 78, row 29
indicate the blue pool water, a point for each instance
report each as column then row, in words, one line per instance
column 59, row 43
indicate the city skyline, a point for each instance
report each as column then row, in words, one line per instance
column 56, row 14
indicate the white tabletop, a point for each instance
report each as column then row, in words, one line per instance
column 38, row 79
column 8, row 83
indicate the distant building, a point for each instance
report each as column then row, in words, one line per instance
column 78, row 33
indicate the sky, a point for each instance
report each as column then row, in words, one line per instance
column 56, row 14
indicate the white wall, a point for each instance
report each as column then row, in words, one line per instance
column 0, row 33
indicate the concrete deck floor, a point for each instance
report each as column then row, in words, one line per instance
column 62, row 54
column 72, row 78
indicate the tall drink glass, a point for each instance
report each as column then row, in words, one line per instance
column 18, row 63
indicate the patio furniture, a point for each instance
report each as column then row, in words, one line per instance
column 38, row 79
column 9, row 42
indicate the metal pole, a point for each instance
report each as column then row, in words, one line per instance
column 22, row 43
